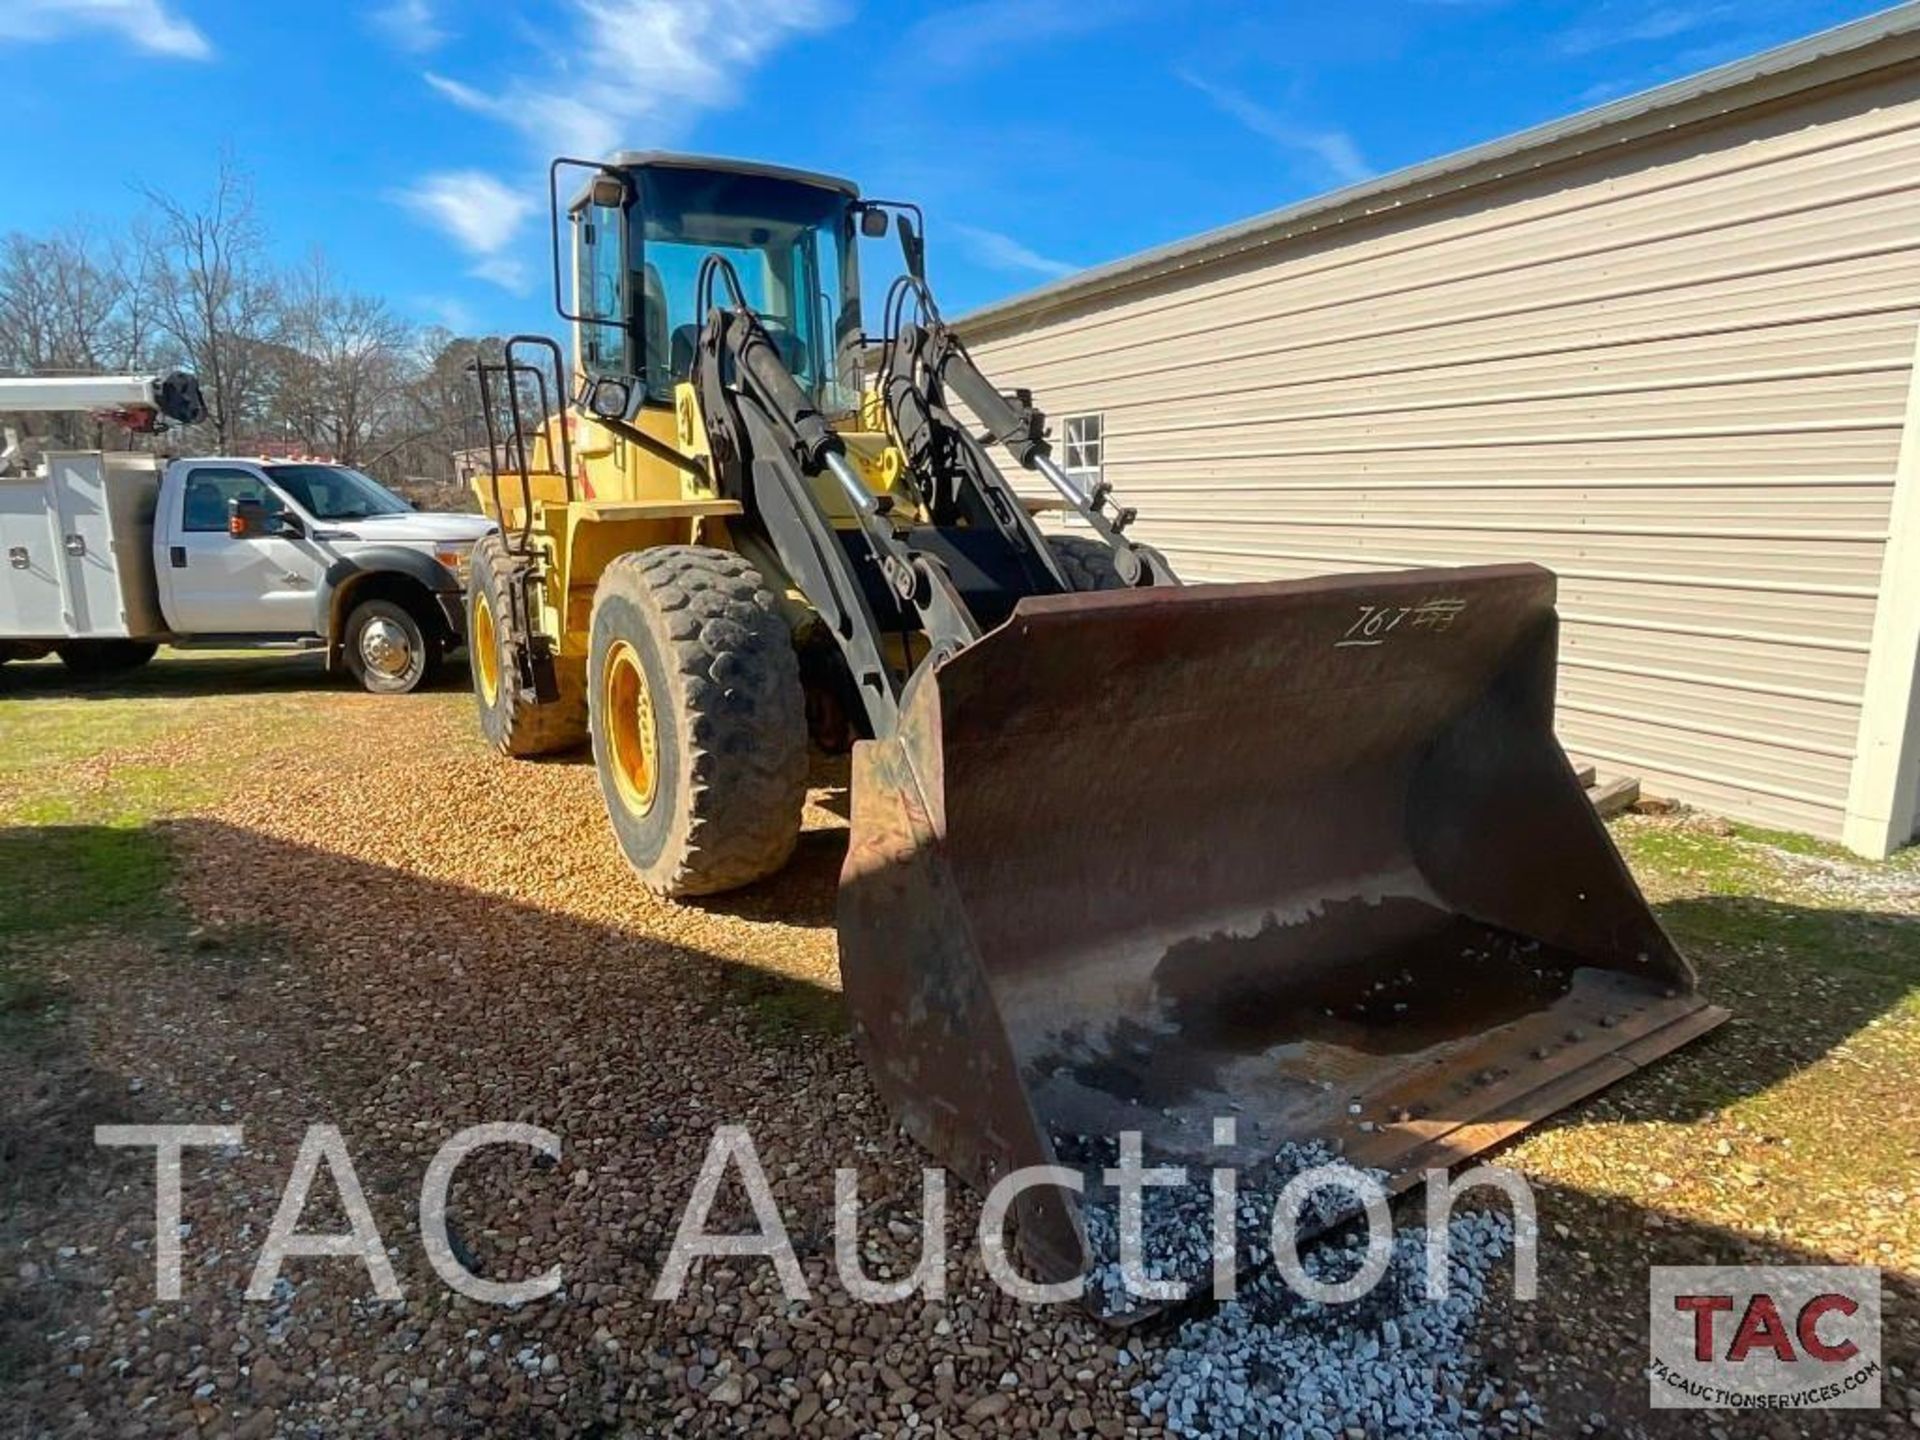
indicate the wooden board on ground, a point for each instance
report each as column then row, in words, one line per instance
column 1615, row 796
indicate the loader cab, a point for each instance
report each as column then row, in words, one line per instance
column 642, row 226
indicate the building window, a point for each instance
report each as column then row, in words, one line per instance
column 1084, row 438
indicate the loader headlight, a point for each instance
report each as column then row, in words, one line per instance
column 457, row 558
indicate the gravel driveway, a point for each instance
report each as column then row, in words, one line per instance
column 376, row 925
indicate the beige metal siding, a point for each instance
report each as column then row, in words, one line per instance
column 1675, row 371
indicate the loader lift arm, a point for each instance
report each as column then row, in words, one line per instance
column 768, row 439
column 925, row 360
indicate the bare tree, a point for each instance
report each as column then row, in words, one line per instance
column 288, row 356
column 66, row 307
column 215, row 299
column 441, row 417
column 344, row 366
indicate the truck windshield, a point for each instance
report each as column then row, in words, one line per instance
column 333, row 492
column 789, row 242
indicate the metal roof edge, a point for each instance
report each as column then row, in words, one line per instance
column 1594, row 127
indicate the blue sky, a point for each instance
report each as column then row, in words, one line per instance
column 409, row 138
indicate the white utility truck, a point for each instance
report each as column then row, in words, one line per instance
column 104, row 556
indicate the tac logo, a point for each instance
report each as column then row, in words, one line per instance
column 1764, row 1337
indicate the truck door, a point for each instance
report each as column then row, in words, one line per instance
column 220, row 585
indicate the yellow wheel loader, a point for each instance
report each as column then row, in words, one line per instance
column 1125, row 854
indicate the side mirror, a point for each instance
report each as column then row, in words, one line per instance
column 609, row 399
column 873, row 222
column 246, row 518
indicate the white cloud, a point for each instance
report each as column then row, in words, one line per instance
column 464, row 96
column 990, row 32
column 1334, row 150
column 455, row 315
column 148, row 24
column 483, row 215
column 1003, row 252
column 506, row 271
column 619, row 73
column 638, row 71
column 411, row 25
column 1637, row 24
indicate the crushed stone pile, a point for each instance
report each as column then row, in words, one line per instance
column 1393, row 1363
column 1272, row 1362
column 1177, row 1220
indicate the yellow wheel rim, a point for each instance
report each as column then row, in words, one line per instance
column 632, row 744
column 485, row 644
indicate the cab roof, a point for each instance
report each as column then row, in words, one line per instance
column 668, row 159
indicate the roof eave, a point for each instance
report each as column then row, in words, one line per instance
column 1858, row 47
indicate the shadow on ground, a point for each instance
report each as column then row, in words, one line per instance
column 187, row 674
column 308, row 986
column 1583, row 1343
column 1799, row 979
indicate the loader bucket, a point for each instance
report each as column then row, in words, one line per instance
column 1304, row 854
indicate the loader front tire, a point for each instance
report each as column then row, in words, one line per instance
column 698, row 719
column 513, row 724
column 1087, row 564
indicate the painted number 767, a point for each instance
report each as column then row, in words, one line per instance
column 1376, row 622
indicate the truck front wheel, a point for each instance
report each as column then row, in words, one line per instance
column 388, row 650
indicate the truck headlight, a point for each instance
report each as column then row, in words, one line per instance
column 458, row 560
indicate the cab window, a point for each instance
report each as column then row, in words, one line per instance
column 600, row 292
column 789, row 243
column 211, row 489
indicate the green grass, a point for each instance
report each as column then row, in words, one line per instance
column 1711, row 862
column 29, row 1005
column 83, row 876
column 82, row 840
column 1821, row 968
column 1731, row 895
column 79, row 856
column 1904, row 861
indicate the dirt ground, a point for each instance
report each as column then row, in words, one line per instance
column 240, row 893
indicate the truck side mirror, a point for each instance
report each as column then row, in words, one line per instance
column 246, row 518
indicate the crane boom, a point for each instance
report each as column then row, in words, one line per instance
column 141, row 402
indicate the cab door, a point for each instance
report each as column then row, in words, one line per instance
column 218, row 584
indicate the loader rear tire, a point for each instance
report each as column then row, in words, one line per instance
column 513, row 725
column 698, row 718
column 1087, row 564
